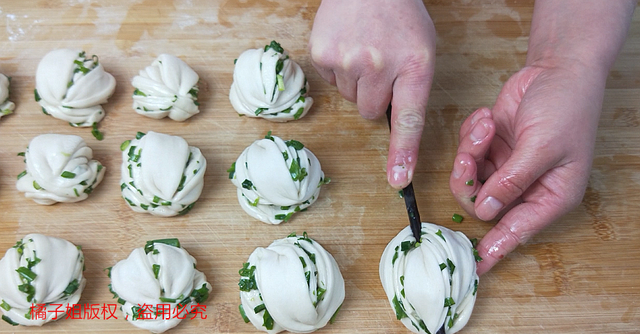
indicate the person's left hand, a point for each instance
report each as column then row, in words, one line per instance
column 534, row 149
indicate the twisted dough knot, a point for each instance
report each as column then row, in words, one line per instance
column 276, row 179
column 6, row 106
column 161, row 174
column 267, row 84
column 72, row 88
column 41, row 279
column 59, row 168
column 432, row 283
column 168, row 87
column 294, row 285
column 156, row 283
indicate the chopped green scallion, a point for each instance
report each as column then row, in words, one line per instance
column 156, row 270
column 68, row 175
column 124, row 145
column 241, row 309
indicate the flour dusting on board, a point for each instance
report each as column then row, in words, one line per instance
column 18, row 26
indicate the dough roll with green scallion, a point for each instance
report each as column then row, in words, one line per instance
column 40, row 274
column 59, row 168
column 158, row 285
column 161, row 174
column 431, row 283
column 268, row 84
column 6, row 106
column 276, row 179
column 72, row 86
column 166, row 88
column 294, row 285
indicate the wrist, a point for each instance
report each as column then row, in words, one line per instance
column 578, row 34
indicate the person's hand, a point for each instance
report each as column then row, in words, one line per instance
column 534, row 149
column 376, row 52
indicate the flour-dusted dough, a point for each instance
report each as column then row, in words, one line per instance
column 433, row 283
column 158, row 285
column 294, row 285
column 276, row 178
column 6, row 106
column 168, row 87
column 267, row 84
column 161, row 174
column 40, row 278
column 72, row 88
column 59, row 168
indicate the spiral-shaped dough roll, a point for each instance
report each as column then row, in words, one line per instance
column 158, row 285
column 40, row 278
column 72, row 88
column 433, row 283
column 276, row 179
column 294, row 285
column 161, row 174
column 59, row 168
column 168, row 87
column 6, row 106
column 267, row 84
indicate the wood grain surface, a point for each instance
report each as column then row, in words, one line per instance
column 580, row 275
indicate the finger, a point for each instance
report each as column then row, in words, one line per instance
column 374, row 95
column 470, row 121
column 515, row 228
column 326, row 73
column 463, row 181
column 410, row 96
column 509, row 182
column 346, row 86
column 322, row 57
column 477, row 141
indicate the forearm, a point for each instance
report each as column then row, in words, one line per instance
column 585, row 33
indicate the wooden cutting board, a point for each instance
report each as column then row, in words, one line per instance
column 580, row 275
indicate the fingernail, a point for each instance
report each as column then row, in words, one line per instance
column 478, row 115
column 458, row 169
column 489, row 208
column 479, row 132
column 399, row 174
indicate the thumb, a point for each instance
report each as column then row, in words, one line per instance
column 409, row 104
column 528, row 162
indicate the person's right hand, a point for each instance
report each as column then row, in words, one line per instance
column 376, row 52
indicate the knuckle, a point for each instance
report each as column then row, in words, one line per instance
column 511, row 237
column 512, row 184
column 420, row 62
column 409, row 122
